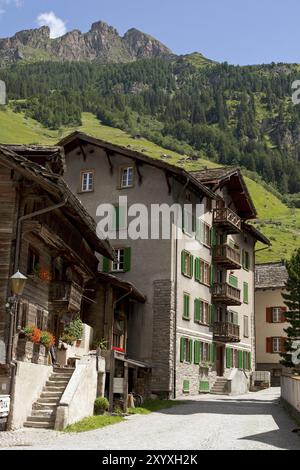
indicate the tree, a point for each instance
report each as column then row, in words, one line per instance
column 292, row 301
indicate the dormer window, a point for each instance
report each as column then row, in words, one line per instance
column 87, row 181
column 127, row 177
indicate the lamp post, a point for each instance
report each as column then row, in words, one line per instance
column 17, row 284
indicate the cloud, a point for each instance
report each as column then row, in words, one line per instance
column 57, row 25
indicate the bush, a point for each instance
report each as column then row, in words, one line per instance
column 74, row 329
column 47, row 339
column 101, row 405
column 33, row 334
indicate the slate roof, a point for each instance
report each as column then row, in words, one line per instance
column 270, row 275
column 60, row 191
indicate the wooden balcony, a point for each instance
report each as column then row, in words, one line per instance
column 65, row 296
column 226, row 332
column 228, row 220
column 226, row 294
column 227, row 257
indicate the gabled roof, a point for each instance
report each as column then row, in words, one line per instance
column 233, row 179
column 271, row 275
column 80, row 139
column 59, row 191
column 52, row 158
column 128, row 287
column 256, row 234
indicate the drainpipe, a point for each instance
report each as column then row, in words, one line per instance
column 13, row 364
column 176, row 294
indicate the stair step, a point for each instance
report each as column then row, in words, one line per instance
column 63, row 370
column 45, row 413
column 37, row 424
column 48, row 401
column 44, row 407
column 61, row 375
column 54, row 388
column 40, row 419
column 59, row 379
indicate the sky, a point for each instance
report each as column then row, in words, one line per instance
column 237, row 31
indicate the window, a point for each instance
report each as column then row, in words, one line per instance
column 188, row 222
column 187, row 264
column 87, row 181
column 246, row 293
column 203, row 233
column 127, row 177
column 186, row 350
column 246, row 259
column 186, row 386
column 39, row 319
column 33, row 261
column 276, row 314
column 205, row 352
column 186, row 306
column 202, row 312
column 276, row 345
column 202, row 271
column 246, row 326
column 121, row 263
column 24, row 317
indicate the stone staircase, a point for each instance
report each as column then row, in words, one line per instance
column 44, row 409
column 220, row 386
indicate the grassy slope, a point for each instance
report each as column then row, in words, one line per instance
column 277, row 221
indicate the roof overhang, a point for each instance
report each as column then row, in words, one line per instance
column 79, row 139
column 126, row 286
column 255, row 233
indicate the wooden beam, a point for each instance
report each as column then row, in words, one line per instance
column 111, row 381
column 125, row 387
column 168, row 176
column 109, row 154
column 138, row 170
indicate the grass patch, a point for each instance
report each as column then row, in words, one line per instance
column 93, row 422
column 149, row 406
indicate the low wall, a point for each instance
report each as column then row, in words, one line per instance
column 29, row 382
column 290, row 394
column 76, row 352
column 238, row 382
column 78, row 399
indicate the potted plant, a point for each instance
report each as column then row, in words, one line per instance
column 101, row 405
column 47, row 339
column 100, row 345
column 75, row 330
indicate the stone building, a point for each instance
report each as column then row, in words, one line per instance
column 270, row 280
column 196, row 328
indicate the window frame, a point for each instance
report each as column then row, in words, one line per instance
column 246, row 322
column 36, row 254
column 188, row 261
column 121, row 177
column 87, row 172
column 113, row 270
column 187, row 317
column 279, row 314
column 279, row 340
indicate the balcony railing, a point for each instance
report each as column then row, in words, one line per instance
column 227, row 219
column 227, row 256
column 66, row 294
column 226, row 332
column 226, row 294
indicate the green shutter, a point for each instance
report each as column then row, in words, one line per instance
column 197, row 352
column 200, row 352
column 210, row 353
column 182, row 349
column 191, row 350
column 213, row 237
column 186, row 386
column 240, row 359
column 204, row 386
column 197, row 310
column 214, row 352
column 246, row 292
column 212, row 275
column 186, row 306
column 249, row 361
column 197, row 269
column 245, row 359
column 106, row 265
column 233, row 281
column 127, row 259
column 228, row 358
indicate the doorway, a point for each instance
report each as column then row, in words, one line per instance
column 220, row 360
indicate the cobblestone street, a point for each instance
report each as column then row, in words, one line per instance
column 253, row 421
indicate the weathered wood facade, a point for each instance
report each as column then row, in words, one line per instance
column 47, row 235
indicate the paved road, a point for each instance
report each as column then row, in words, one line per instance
column 252, row 421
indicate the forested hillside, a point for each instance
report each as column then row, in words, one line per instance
column 227, row 114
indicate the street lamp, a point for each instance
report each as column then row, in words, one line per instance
column 17, row 284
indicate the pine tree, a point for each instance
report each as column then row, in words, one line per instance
column 292, row 301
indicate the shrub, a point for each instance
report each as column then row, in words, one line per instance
column 101, row 405
column 68, row 339
column 74, row 329
column 47, row 339
column 33, row 334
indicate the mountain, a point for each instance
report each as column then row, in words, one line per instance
column 102, row 44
